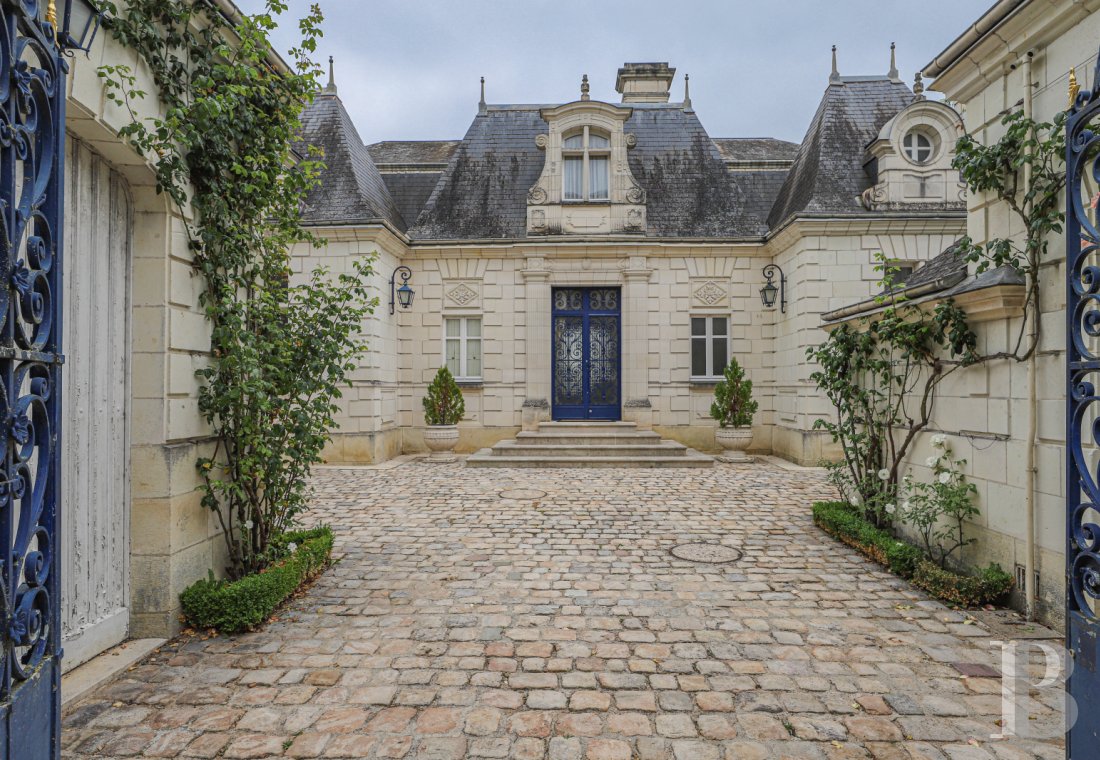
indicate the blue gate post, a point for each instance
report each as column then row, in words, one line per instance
column 32, row 154
column 1083, row 419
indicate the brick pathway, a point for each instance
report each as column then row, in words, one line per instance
column 462, row 624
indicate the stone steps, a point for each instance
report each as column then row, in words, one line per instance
column 659, row 449
column 639, row 438
column 588, row 444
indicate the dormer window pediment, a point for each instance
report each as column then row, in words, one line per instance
column 912, row 157
column 586, row 186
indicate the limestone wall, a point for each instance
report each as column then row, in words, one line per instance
column 829, row 265
column 985, row 410
column 174, row 540
column 368, row 419
column 663, row 286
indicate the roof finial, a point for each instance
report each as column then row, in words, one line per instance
column 584, row 88
column 687, row 94
column 918, row 86
column 1074, row 88
column 834, row 77
column 482, row 107
column 893, row 72
column 331, row 88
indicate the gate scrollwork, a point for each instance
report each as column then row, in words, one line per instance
column 31, row 205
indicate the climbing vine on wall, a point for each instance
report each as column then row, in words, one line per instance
column 223, row 151
column 1024, row 170
column 882, row 378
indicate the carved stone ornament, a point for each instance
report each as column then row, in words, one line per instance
column 462, row 294
column 536, row 196
column 710, row 293
column 875, row 196
column 541, row 141
column 633, row 220
column 635, row 195
column 538, row 220
column 631, row 139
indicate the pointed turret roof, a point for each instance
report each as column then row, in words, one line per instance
column 351, row 190
column 828, row 173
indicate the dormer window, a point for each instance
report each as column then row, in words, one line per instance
column 586, row 161
column 918, row 147
column 586, row 186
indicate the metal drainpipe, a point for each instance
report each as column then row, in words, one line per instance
column 1030, row 592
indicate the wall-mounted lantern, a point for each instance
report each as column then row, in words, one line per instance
column 77, row 23
column 769, row 292
column 404, row 294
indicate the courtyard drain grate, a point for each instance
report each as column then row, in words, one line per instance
column 713, row 554
column 522, row 494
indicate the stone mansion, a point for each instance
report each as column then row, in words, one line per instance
column 592, row 260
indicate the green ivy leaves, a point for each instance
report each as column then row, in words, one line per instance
column 282, row 344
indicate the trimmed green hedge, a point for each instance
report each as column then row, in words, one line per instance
column 235, row 606
column 841, row 520
column 844, row 522
column 988, row 586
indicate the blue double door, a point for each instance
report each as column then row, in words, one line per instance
column 587, row 340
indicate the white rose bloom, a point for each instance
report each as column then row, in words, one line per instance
column 906, row 506
column 883, row 474
column 945, row 477
column 890, row 509
column 932, row 461
column 939, row 440
column 248, row 525
column 292, row 546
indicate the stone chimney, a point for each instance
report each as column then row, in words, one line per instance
column 644, row 82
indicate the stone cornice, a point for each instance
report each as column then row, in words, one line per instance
column 865, row 224
column 380, row 232
column 1031, row 27
column 982, row 305
column 608, row 110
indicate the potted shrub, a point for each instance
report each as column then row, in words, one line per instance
column 443, row 410
column 734, row 407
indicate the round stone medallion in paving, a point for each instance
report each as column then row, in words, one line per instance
column 714, row 554
column 522, row 494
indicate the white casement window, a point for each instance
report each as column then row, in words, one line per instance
column 462, row 347
column 918, row 147
column 586, row 158
column 710, row 347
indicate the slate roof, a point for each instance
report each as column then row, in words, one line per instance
column 412, row 151
column 949, row 269
column 690, row 193
column 828, row 175
column 945, row 264
column 749, row 149
column 351, row 190
column 696, row 186
column 483, row 191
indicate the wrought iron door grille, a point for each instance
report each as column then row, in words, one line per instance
column 587, row 353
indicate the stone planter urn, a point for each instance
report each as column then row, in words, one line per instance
column 734, row 441
column 441, row 440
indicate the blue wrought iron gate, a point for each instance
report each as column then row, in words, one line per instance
column 1083, row 420
column 586, row 362
column 32, row 91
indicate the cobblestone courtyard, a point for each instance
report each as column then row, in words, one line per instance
column 459, row 622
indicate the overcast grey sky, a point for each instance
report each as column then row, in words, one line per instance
column 409, row 69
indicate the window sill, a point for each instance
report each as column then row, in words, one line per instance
column 704, row 382
column 605, row 202
column 473, row 383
